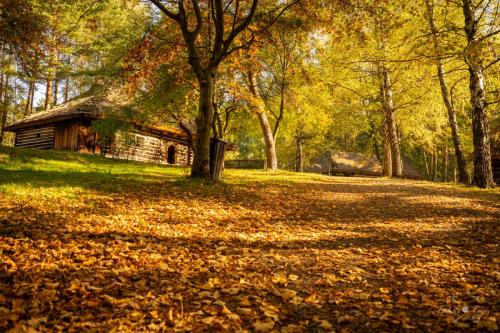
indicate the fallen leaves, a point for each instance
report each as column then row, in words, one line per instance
column 326, row 254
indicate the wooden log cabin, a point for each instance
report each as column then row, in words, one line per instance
column 69, row 127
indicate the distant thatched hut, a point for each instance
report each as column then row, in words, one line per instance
column 355, row 164
column 69, row 127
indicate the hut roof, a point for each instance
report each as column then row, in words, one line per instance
column 90, row 107
column 85, row 106
column 355, row 162
column 409, row 171
column 320, row 165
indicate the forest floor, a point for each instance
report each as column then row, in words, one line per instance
column 92, row 244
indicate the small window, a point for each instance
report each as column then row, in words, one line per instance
column 38, row 135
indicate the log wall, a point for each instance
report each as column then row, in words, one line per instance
column 78, row 136
column 147, row 148
column 66, row 136
column 36, row 137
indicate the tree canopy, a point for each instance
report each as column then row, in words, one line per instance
column 286, row 81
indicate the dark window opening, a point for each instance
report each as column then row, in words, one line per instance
column 171, row 155
column 38, row 135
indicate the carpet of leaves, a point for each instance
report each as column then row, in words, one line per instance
column 257, row 255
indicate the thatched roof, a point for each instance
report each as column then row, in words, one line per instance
column 355, row 164
column 89, row 107
column 409, row 171
column 348, row 162
column 85, row 106
column 320, row 165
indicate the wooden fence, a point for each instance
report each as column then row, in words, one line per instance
column 245, row 164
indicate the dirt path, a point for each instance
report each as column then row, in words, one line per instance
column 326, row 254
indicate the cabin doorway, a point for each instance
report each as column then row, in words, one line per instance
column 171, row 155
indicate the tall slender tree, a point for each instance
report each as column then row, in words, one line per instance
column 445, row 92
column 483, row 174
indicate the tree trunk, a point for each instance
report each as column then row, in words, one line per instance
column 387, row 163
column 448, row 103
column 56, row 90
column 28, row 99
column 32, row 97
column 50, row 73
column 2, row 64
column 258, row 108
column 272, row 161
column 66, row 83
column 453, row 170
column 48, row 93
column 452, row 120
column 204, row 120
column 66, row 89
column 5, row 108
column 282, row 109
column 388, row 107
column 434, row 165
column 56, row 74
column 445, row 162
column 427, row 172
column 483, row 173
column 299, row 160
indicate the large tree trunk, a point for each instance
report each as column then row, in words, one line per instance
column 299, row 157
column 204, row 120
column 257, row 106
column 448, row 103
column 483, row 173
column 388, row 107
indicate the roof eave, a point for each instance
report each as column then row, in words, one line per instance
column 14, row 127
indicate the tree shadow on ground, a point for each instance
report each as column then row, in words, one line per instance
column 417, row 245
column 96, row 280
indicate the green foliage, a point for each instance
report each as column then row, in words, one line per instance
column 107, row 129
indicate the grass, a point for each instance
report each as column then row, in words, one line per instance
column 93, row 244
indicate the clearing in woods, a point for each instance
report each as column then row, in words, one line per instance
column 93, row 244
